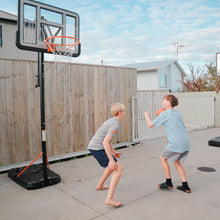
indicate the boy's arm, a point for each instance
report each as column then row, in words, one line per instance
column 116, row 154
column 149, row 122
column 112, row 148
column 108, row 150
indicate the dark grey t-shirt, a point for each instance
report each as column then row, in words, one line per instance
column 110, row 127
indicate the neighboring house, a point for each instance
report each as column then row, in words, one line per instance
column 8, row 48
column 159, row 75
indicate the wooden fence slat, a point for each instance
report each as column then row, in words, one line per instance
column 10, row 113
column 4, row 149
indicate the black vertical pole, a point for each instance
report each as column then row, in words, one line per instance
column 43, row 126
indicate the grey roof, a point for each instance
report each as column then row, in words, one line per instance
column 5, row 16
column 154, row 65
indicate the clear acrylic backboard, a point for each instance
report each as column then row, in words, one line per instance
column 38, row 21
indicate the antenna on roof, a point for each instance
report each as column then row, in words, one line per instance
column 177, row 48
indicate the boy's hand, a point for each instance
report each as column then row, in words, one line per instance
column 147, row 117
column 111, row 164
column 117, row 155
column 146, row 114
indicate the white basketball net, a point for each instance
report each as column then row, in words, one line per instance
column 61, row 53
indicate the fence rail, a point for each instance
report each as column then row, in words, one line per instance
column 197, row 111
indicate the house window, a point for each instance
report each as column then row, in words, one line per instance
column 163, row 79
column 0, row 35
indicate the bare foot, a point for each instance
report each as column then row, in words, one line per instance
column 101, row 187
column 112, row 202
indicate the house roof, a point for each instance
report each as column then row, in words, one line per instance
column 155, row 65
column 5, row 16
column 152, row 64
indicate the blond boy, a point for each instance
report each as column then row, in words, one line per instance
column 101, row 148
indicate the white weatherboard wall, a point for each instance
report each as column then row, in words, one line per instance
column 9, row 50
column 147, row 80
column 176, row 84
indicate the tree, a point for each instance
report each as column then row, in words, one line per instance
column 211, row 80
column 201, row 78
column 193, row 81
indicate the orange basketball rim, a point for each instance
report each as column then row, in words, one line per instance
column 53, row 47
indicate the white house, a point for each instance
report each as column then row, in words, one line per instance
column 159, row 75
column 8, row 48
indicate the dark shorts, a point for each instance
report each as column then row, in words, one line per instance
column 101, row 157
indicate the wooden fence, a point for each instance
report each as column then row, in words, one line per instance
column 78, row 98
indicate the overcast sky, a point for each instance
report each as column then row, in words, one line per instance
column 121, row 32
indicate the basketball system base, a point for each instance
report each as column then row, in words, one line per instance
column 33, row 177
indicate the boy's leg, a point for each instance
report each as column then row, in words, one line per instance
column 165, row 166
column 104, row 177
column 113, row 184
column 180, row 170
column 182, row 174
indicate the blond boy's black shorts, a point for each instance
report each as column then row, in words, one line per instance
column 101, row 157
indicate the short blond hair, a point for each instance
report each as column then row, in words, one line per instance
column 116, row 108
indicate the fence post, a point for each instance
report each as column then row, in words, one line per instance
column 133, row 118
column 217, row 110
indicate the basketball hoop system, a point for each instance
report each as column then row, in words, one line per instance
column 45, row 29
column 62, row 47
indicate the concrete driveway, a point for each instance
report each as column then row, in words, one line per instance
column 75, row 198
